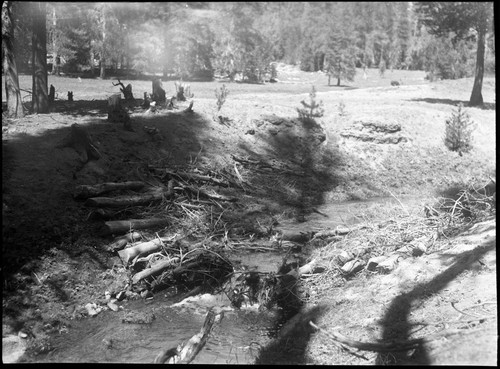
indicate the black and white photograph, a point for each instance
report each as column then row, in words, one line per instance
column 249, row 183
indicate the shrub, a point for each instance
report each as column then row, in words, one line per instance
column 220, row 95
column 458, row 134
column 312, row 109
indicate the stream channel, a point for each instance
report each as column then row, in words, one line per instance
column 235, row 339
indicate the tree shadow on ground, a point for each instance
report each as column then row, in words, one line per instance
column 395, row 323
column 290, row 347
column 307, row 162
column 39, row 175
column 484, row 106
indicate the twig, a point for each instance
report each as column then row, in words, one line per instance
column 400, row 203
column 390, row 346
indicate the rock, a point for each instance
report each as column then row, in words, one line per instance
column 13, row 348
column 389, row 264
column 352, row 267
column 374, row 262
column 344, row 257
column 113, row 306
column 374, row 130
column 92, row 309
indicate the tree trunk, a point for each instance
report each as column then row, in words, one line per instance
column 55, row 57
column 12, row 92
column 476, row 96
column 40, row 98
column 103, row 49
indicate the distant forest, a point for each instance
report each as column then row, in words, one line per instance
column 197, row 40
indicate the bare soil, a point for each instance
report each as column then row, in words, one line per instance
column 54, row 260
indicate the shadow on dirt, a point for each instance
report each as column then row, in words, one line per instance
column 299, row 162
column 485, row 106
column 290, row 347
column 79, row 108
column 396, row 326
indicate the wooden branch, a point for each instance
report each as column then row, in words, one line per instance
column 123, row 226
column 186, row 354
column 86, row 191
column 189, row 176
column 207, row 195
column 124, row 201
column 143, row 248
column 394, row 346
column 154, row 270
column 120, row 242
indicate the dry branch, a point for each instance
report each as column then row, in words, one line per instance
column 143, row 248
column 394, row 346
column 212, row 196
column 186, row 354
column 154, row 270
column 124, row 201
column 86, row 191
column 189, row 176
column 123, row 226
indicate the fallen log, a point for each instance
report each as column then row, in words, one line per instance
column 154, row 270
column 124, row 201
column 187, row 353
column 144, row 248
column 123, row 226
column 86, row 191
column 120, row 242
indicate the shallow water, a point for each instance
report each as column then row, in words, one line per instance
column 105, row 339
column 236, row 339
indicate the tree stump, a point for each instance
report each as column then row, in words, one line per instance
column 80, row 140
column 147, row 101
column 127, row 91
column 158, row 92
column 116, row 113
column 52, row 95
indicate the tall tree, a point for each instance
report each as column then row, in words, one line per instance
column 12, row 92
column 460, row 18
column 40, row 100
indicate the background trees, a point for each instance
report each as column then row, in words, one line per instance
column 197, row 39
column 467, row 20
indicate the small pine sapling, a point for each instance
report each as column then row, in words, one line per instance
column 458, row 133
column 312, row 109
column 342, row 111
column 220, row 95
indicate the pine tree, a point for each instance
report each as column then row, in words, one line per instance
column 458, row 133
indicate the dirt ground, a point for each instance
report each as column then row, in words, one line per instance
column 55, row 261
